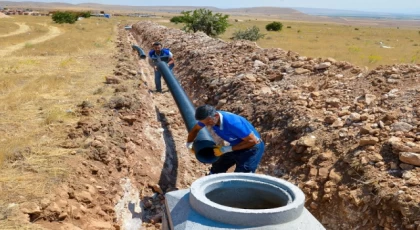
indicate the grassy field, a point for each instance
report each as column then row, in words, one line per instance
column 40, row 88
column 358, row 45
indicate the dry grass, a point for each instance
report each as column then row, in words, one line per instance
column 7, row 26
column 40, row 88
column 36, row 30
column 358, row 45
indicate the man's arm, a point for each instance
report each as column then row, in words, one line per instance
column 193, row 133
column 171, row 61
column 247, row 142
column 171, row 58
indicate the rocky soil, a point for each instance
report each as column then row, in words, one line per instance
column 348, row 137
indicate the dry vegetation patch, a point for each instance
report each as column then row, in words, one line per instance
column 355, row 44
column 7, row 27
column 40, row 87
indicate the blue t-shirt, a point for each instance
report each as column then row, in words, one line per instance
column 233, row 128
column 164, row 55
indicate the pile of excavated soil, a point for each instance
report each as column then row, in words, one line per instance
column 350, row 139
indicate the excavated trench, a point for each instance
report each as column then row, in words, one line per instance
column 327, row 126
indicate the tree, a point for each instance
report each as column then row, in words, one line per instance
column 251, row 34
column 274, row 26
column 204, row 20
column 64, row 17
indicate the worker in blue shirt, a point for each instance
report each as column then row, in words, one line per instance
column 160, row 54
column 246, row 147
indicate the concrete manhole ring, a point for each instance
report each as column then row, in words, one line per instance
column 246, row 199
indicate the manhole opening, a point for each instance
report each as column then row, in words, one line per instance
column 250, row 197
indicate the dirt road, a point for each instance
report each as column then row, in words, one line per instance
column 23, row 28
column 52, row 33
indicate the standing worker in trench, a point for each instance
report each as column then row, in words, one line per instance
column 246, row 147
column 160, row 54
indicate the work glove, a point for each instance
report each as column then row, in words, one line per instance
column 220, row 150
column 189, row 146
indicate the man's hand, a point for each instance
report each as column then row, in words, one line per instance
column 189, row 146
column 220, row 150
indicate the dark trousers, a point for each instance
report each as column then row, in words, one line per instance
column 158, row 76
column 246, row 160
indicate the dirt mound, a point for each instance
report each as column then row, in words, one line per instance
column 3, row 15
column 349, row 138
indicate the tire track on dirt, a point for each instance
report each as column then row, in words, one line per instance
column 52, row 33
column 23, row 28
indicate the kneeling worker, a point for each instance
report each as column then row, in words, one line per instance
column 246, row 147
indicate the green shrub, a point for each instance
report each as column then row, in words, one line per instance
column 204, row 20
column 64, row 17
column 274, row 26
column 250, row 34
column 177, row 19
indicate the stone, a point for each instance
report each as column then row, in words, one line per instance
column 323, row 65
column 30, row 208
column 354, row 117
column 334, row 102
column 334, row 176
column 366, row 129
column 258, row 63
column 369, row 98
column 338, row 123
column 265, row 90
column 330, row 119
column 113, row 80
column 410, row 158
column 325, row 156
column 401, row 126
column 156, row 188
column 404, row 166
column 323, row 173
column 54, row 208
column 250, row 77
column 301, row 71
column 368, row 141
column 399, row 146
column 375, row 157
column 98, row 225
column 308, row 141
column 83, row 196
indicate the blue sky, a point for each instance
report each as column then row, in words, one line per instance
column 391, row 6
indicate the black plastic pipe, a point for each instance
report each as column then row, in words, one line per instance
column 204, row 143
column 142, row 55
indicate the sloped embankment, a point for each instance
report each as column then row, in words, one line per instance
column 349, row 138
